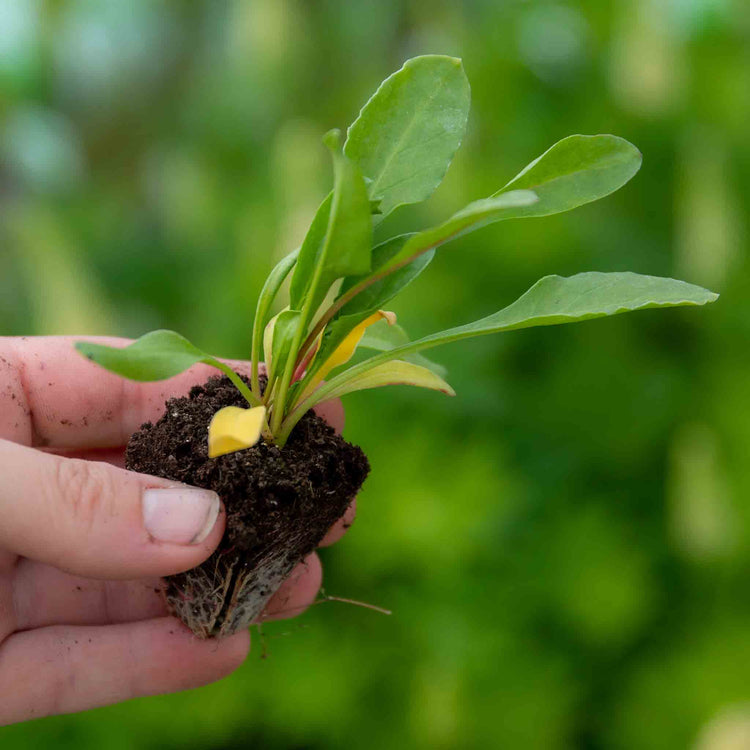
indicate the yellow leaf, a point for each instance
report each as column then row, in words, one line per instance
column 233, row 429
column 396, row 372
column 345, row 350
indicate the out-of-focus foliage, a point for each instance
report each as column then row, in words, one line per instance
column 565, row 543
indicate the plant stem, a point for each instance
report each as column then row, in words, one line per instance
column 237, row 381
column 270, row 289
column 343, row 300
column 290, row 364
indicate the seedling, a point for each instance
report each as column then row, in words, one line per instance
column 396, row 152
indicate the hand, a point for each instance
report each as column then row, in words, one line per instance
column 83, row 542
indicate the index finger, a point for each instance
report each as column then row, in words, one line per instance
column 52, row 396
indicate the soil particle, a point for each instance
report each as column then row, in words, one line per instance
column 280, row 502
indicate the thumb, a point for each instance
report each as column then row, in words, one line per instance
column 96, row 520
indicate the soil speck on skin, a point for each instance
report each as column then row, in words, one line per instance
column 78, row 588
column 65, row 422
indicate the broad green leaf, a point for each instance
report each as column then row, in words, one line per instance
column 339, row 242
column 576, row 170
column 553, row 300
column 406, row 135
column 393, row 373
column 265, row 300
column 382, row 338
column 475, row 215
column 375, row 296
column 155, row 356
column 158, row 355
column 233, row 429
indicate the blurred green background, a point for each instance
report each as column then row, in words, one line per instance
column 565, row 544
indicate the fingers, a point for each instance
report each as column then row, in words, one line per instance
column 332, row 412
column 59, row 670
column 44, row 596
column 298, row 592
column 52, row 396
column 114, row 456
column 93, row 519
column 341, row 526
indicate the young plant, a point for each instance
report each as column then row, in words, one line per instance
column 396, row 152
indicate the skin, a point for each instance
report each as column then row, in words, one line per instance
column 82, row 619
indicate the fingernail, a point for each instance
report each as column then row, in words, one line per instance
column 180, row 515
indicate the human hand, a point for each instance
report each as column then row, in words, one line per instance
column 83, row 542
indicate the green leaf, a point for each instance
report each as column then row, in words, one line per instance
column 553, row 300
column 475, row 215
column 155, row 356
column 339, row 242
column 158, row 355
column 393, row 373
column 372, row 298
column 383, row 337
column 263, row 307
column 308, row 253
column 375, row 296
column 576, row 170
column 283, row 335
column 406, row 135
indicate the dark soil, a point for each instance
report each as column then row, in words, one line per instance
column 280, row 502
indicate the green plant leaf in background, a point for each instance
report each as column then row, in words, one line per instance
column 576, row 170
column 553, row 300
column 406, row 135
column 157, row 356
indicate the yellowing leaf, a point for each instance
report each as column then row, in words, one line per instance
column 345, row 350
column 233, row 429
column 396, row 372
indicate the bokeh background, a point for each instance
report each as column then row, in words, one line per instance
column 565, row 544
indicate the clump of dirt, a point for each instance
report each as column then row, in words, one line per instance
column 280, row 503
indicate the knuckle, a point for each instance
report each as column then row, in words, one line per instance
column 86, row 489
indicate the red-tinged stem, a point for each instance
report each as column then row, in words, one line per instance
column 344, row 299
